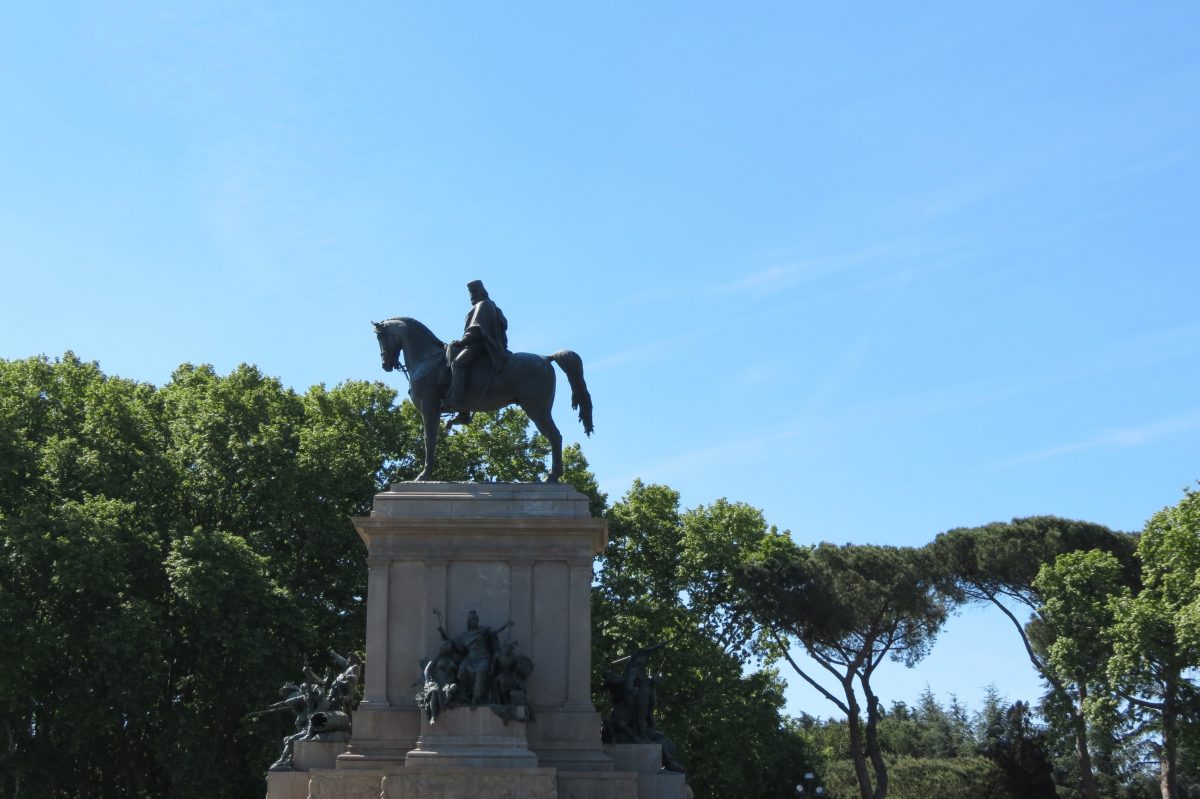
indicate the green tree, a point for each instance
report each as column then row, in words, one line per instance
column 850, row 607
column 997, row 564
column 666, row 575
column 927, row 778
column 234, row 625
column 82, row 630
column 1155, row 633
column 1069, row 633
column 1009, row 738
column 171, row 555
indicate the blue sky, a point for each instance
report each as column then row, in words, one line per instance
column 880, row 271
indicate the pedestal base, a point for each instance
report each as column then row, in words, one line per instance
column 287, row 785
column 470, row 783
column 383, row 736
column 474, row 737
column 519, row 553
column 317, row 753
column 653, row 782
column 345, row 784
column 597, row 785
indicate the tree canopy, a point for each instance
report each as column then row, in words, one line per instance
column 172, row 554
column 850, row 607
column 667, row 575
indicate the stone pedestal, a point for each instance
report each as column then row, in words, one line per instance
column 511, row 552
column 343, row 784
column 322, row 753
column 287, row 785
column 520, row 553
column 471, row 737
column 470, row 783
column 645, row 760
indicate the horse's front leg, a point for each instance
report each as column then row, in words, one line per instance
column 431, row 421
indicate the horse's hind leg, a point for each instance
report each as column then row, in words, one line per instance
column 545, row 425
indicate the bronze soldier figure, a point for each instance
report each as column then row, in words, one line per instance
column 485, row 332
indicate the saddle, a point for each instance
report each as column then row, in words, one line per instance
column 480, row 378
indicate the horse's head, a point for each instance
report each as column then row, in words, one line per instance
column 389, row 346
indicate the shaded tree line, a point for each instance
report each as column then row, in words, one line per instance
column 171, row 555
column 938, row 752
column 1106, row 618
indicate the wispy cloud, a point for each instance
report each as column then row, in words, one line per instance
column 1137, row 352
column 738, row 450
column 643, row 350
column 1117, row 438
column 779, row 277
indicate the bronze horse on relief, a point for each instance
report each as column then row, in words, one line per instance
column 526, row 380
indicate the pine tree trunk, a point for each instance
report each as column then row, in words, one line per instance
column 1169, row 778
column 1087, row 778
column 854, row 728
column 881, row 775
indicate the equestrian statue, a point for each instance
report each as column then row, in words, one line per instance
column 478, row 373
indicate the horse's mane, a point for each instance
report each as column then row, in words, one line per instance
column 416, row 324
column 409, row 322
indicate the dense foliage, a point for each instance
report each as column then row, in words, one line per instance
column 170, row 555
column 850, row 608
column 667, row 575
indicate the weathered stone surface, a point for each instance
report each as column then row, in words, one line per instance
column 641, row 758
column 466, row 736
column 645, row 760
column 597, row 785
column 318, row 753
column 287, row 785
column 513, row 553
column 471, row 783
column 520, row 553
column 672, row 785
column 382, row 735
column 463, row 501
column 345, row 784
column 568, row 739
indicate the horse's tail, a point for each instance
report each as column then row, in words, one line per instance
column 581, row 400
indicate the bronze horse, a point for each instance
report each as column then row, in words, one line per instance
column 526, row 380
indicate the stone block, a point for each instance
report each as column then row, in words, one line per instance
column 520, row 553
column 597, row 785
column 318, row 753
column 383, row 735
column 475, row 737
column 287, row 785
column 663, row 785
column 345, row 784
column 672, row 785
column 470, row 783
column 645, row 760
column 639, row 758
column 481, row 500
column 568, row 739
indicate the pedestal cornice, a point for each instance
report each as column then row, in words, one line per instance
column 570, row 537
